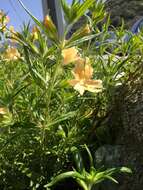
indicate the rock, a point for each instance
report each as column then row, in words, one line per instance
column 107, row 155
column 127, row 124
column 131, row 139
column 129, row 10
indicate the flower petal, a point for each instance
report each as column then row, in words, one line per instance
column 11, row 54
column 93, row 85
column 88, row 71
column 80, row 88
column 73, row 82
column 83, row 69
column 70, row 55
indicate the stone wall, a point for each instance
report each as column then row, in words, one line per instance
column 130, row 138
column 126, row 129
column 129, row 10
column 126, row 124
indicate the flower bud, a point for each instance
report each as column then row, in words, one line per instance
column 86, row 30
column 35, row 32
column 49, row 23
column 4, row 19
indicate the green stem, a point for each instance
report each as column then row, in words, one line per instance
column 84, row 185
column 51, row 85
column 49, row 93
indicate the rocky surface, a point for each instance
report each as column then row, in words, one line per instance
column 131, row 139
column 129, row 10
column 127, row 124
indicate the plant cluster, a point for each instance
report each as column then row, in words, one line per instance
column 56, row 92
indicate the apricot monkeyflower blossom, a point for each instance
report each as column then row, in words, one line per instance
column 3, row 111
column 83, row 72
column 11, row 54
column 70, row 55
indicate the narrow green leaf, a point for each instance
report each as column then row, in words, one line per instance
column 82, row 183
column 81, row 40
column 87, row 4
column 90, row 156
column 112, row 179
column 38, row 23
column 63, row 117
column 70, row 174
column 30, row 14
column 66, row 9
column 78, row 160
column 39, row 76
column 125, row 169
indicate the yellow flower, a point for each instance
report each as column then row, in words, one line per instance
column 11, row 54
column 35, row 32
column 83, row 73
column 70, row 55
column 51, row 28
column 49, row 23
column 4, row 19
column 11, row 29
column 3, row 111
column 13, row 34
column 86, row 29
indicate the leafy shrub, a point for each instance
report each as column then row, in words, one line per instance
column 87, row 179
column 56, row 91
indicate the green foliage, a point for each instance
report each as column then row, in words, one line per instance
column 87, row 179
column 76, row 10
column 42, row 117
